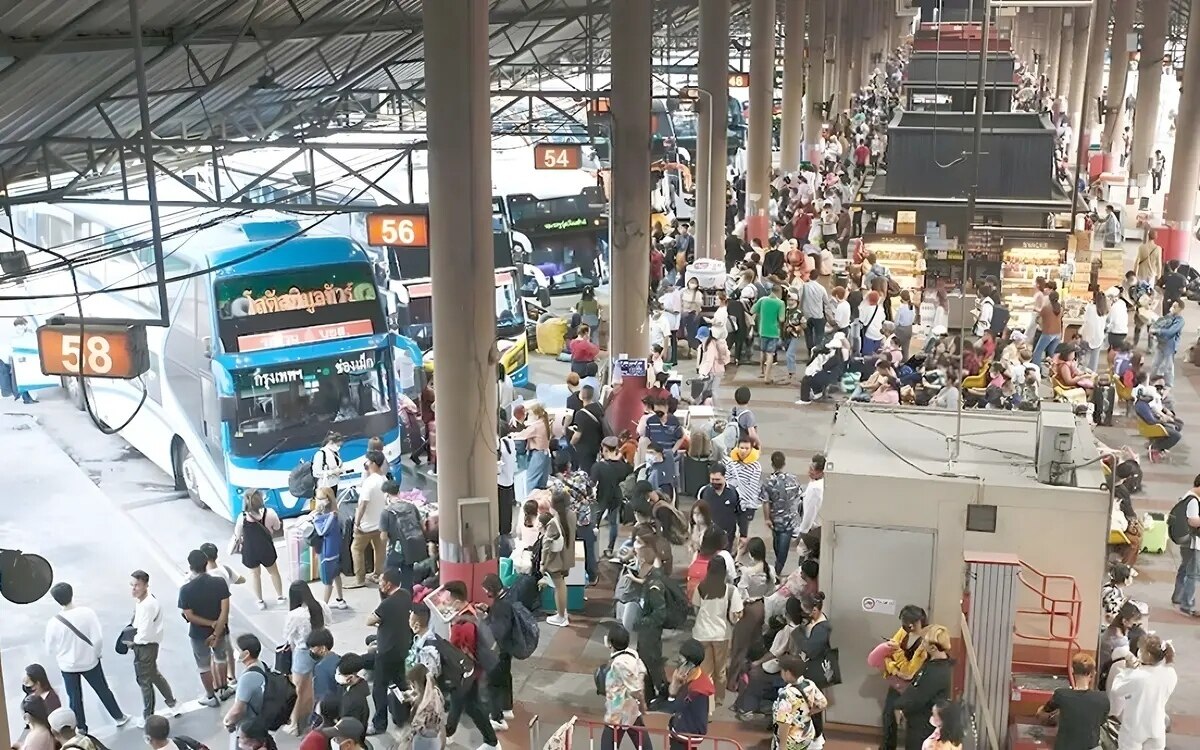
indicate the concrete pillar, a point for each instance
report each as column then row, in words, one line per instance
column 852, row 43
column 464, row 318
column 630, row 213
column 792, row 135
column 1097, row 47
column 1079, row 49
column 1155, row 15
column 1185, row 161
column 817, row 91
column 1066, row 53
column 1118, row 73
column 1053, row 33
column 711, row 161
column 762, row 84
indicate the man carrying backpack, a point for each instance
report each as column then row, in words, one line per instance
column 481, row 649
column 405, row 535
column 649, row 631
column 251, row 708
column 500, row 616
column 450, row 667
column 1183, row 525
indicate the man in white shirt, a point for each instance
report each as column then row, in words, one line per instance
column 74, row 639
column 809, row 528
column 371, row 502
column 1184, row 595
column 147, row 637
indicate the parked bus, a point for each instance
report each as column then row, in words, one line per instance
column 264, row 355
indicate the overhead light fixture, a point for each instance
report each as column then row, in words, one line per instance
column 266, row 81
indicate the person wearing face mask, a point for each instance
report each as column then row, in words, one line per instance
column 722, row 501
column 692, row 304
column 392, row 641
column 36, row 682
column 745, row 474
column 908, row 655
column 1144, row 688
column 949, row 721
column 346, row 734
column 427, row 728
column 355, row 692
column 36, row 718
column 251, row 688
column 8, row 380
column 325, row 663
column 607, row 475
column 933, row 683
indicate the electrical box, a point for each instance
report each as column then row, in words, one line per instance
column 1055, row 443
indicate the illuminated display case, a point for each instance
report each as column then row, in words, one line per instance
column 902, row 254
column 1024, row 260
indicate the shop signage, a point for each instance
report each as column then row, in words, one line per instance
column 1019, row 243
column 878, row 605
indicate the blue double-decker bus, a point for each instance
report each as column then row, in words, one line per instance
column 265, row 355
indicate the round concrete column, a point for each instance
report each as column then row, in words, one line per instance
column 1053, row 33
column 1155, row 14
column 762, row 85
column 630, row 220
column 1185, row 162
column 1066, row 54
column 791, row 145
column 457, row 73
column 1118, row 74
column 817, row 92
column 1079, row 57
column 713, row 157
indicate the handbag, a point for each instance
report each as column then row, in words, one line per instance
column 283, row 659
column 558, row 543
column 828, row 669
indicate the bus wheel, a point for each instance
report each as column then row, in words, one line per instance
column 186, row 479
column 74, row 388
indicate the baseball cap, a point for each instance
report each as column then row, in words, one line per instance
column 60, row 718
column 346, row 728
column 611, row 442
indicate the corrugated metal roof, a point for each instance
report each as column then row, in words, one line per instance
column 85, row 81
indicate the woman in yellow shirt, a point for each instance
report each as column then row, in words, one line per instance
column 901, row 665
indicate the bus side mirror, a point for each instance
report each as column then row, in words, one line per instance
column 228, row 407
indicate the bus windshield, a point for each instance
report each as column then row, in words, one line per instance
column 297, row 306
column 416, row 319
column 300, row 402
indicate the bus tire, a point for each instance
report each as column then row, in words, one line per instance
column 179, row 457
column 74, row 388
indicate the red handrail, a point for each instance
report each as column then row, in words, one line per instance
column 1054, row 608
column 629, row 736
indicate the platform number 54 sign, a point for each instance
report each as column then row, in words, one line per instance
column 557, row 156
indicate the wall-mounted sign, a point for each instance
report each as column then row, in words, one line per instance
column 403, row 230
column 631, row 368
column 878, row 606
column 557, row 156
column 1020, row 243
column 739, row 80
column 98, row 351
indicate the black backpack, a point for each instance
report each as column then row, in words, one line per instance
column 1178, row 527
column 279, row 699
column 301, row 482
column 1000, row 315
column 412, row 532
column 456, row 665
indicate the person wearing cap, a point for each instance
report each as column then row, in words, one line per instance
column 825, row 368
column 347, row 734
column 713, row 356
column 62, row 726
column 607, row 474
column 691, row 692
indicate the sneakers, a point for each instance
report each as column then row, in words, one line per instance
column 225, row 693
column 801, row 402
column 211, row 701
column 509, row 715
column 500, row 726
column 557, row 621
column 123, row 720
column 261, row 604
column 281, row 600
column 340, row 604
column 173, row 709
column 353, row 585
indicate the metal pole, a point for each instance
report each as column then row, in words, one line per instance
column 972, row 198
column 139, row 62
column 1083, row 145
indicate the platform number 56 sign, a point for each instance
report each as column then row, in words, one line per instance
column 397, row 230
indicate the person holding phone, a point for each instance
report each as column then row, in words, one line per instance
column 691, row 692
